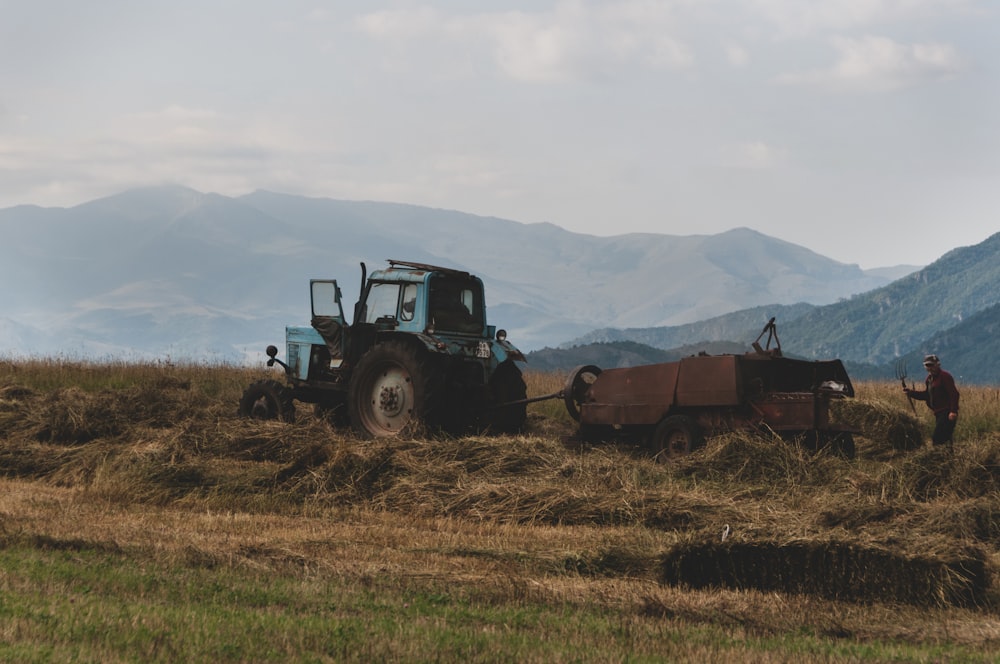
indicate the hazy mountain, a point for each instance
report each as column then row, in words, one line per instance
column 892, row 273
column 168, row 270
column 742, row 326
column 621, row 354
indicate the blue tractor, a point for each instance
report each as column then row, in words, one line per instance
column 419, row 352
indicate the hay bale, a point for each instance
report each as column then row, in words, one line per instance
column 832, row 570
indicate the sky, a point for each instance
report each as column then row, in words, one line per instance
column 865, row 130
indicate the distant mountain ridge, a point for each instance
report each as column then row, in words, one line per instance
column 169, row 270
column 744, row 325
column 951, row 308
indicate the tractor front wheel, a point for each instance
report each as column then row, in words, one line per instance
column 389, row 391
column 268, row 400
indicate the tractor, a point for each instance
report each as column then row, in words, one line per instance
column 419, row 352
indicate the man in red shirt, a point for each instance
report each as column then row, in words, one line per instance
column 941, row 396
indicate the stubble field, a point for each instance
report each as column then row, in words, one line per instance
column 141, row 519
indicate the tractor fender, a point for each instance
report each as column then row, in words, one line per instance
column 504, row 350
column 500, row 351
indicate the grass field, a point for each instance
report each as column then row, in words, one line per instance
column 141, row 520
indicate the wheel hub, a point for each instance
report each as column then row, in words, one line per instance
column 390, row 401
column 678, row 444
column 261, row 409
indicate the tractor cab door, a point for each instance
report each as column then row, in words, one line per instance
column 328, row 315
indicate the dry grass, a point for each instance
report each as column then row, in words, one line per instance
column 152, row 461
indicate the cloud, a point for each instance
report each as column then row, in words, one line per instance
column 395, row 24
column 798, row 17
column 753, row 155
column 207, row 149
column 878, row 63
column 737, row 56
column 571, row 41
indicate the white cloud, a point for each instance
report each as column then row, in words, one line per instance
column 395, row 24
column 737, row 56
column 571, row 41
column 753, row 155
column 878, row 63
column 798, row 17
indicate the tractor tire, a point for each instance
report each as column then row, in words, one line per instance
column 390, row 391
column 675, row 436
column 268, row 400
column 507, row 384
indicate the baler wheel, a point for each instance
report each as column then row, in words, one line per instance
column 674, row 437
column 577, row 385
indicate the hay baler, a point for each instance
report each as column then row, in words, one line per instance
column 675, row 405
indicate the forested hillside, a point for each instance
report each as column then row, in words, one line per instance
column 901, row 318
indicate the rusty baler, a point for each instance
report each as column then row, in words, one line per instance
column 673, row 406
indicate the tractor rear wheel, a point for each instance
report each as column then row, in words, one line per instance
column 674, row 437
column 390, row 391
column 268, row 400
column 507, row 384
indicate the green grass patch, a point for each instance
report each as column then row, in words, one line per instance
column 70, row 601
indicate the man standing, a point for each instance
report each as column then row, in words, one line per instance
column 941, row 396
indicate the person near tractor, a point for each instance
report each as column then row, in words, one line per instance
column 941, row 396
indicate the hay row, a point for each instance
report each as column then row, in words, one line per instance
column 832, row 570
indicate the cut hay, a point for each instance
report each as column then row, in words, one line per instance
column 963, row 471
column 831, row 570
column 759, row 459
column 885, row 426
column 971, row 520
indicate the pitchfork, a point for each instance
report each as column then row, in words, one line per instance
column 901, row 375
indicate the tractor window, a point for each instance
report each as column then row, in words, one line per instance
column 457, row 306
column 382, row 301
column 326, row 299
column 409, row 302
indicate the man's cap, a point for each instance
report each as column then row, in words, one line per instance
column 931, row 360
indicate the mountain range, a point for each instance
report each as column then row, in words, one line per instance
column 950, row 307
column 169, row 271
